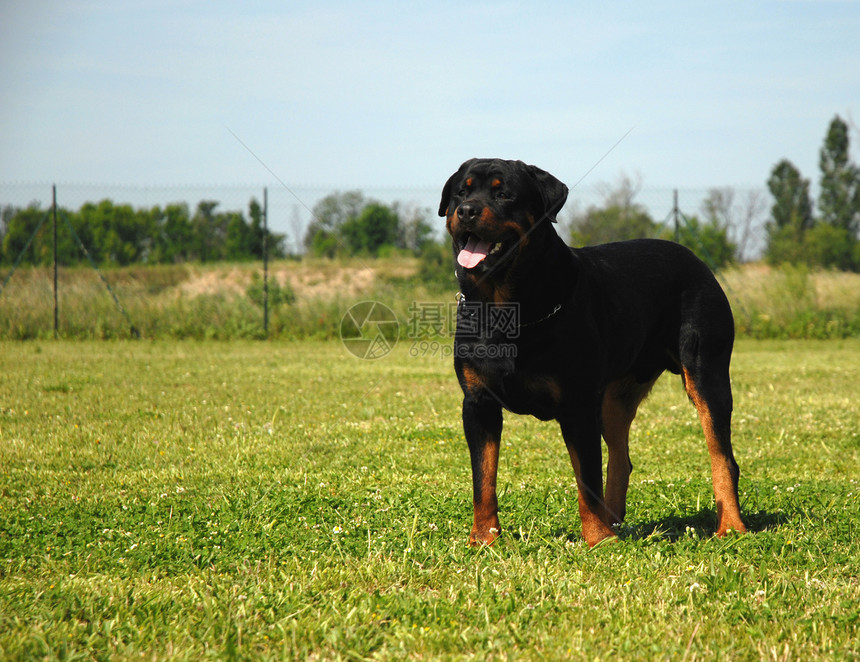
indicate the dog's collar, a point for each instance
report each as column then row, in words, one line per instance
column 460, row 297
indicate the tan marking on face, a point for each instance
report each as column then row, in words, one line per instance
column 451, row 223
column 487, row 217
column 517, row 229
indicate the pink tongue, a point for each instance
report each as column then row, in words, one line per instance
column 474, row 251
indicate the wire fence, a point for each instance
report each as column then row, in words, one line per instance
column 137, row 305
column 290, row 210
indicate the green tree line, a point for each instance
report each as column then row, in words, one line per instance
column 831, row 237
column 794, row 232
column 350, row 224
column 118, row 234
column 621, row 217
column 797, row 231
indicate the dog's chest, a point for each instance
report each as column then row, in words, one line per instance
column 534, row 392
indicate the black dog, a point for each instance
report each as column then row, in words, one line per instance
column 577, row 335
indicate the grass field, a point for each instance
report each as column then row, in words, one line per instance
column 250, row 500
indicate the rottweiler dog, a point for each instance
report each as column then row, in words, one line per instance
column 578, row 335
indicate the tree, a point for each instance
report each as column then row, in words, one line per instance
column 375, row 227
column 204, row 227
column 739, row 218
column 329, row 214
column 792, row 205
column 112, row 233
column 709, row 241
column 173, row 240
column 255, row 245
column 323, row 244
column 620, row 218
column 791, row 214
column 839, row 202
column 830, row 247
column 296, row 225
column 19, row 228
column 237, row 240
column 416, row 231
column 7, row 214
column 347, row 223
column 121, row 235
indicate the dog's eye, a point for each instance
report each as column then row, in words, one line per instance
column 501, row 195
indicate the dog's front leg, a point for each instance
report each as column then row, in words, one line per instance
column 582, row 438
column 482, row 424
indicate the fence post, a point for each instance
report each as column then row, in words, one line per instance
column 266, row 261
column 56, row 299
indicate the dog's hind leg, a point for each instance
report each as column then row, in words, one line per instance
column 620, row 402
column 706, row 380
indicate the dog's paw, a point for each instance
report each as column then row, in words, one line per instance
column 487, row 536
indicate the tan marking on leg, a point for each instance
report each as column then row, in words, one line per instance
column 473, row 379
column 723, row 469
column 616, row 432
column 591, row 509
column 620, row 403
column 486, row 527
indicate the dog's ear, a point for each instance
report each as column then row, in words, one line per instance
column 446, row 195
column 553, row 192
column 446, row 190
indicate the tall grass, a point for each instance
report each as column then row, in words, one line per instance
column 794, row 302
column 308, row 300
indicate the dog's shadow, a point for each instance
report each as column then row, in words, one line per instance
column 702, row 525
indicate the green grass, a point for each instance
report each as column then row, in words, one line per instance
column 247, row 500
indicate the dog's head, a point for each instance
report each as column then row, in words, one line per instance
column 495, row 208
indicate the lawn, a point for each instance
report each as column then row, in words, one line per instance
column 286, row 500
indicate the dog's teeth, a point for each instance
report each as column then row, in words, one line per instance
column 496, row 247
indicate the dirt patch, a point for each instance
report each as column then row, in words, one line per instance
column 306, row 281
column 333, row 283
column 225, row 281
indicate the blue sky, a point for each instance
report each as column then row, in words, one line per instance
column 382, row 94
